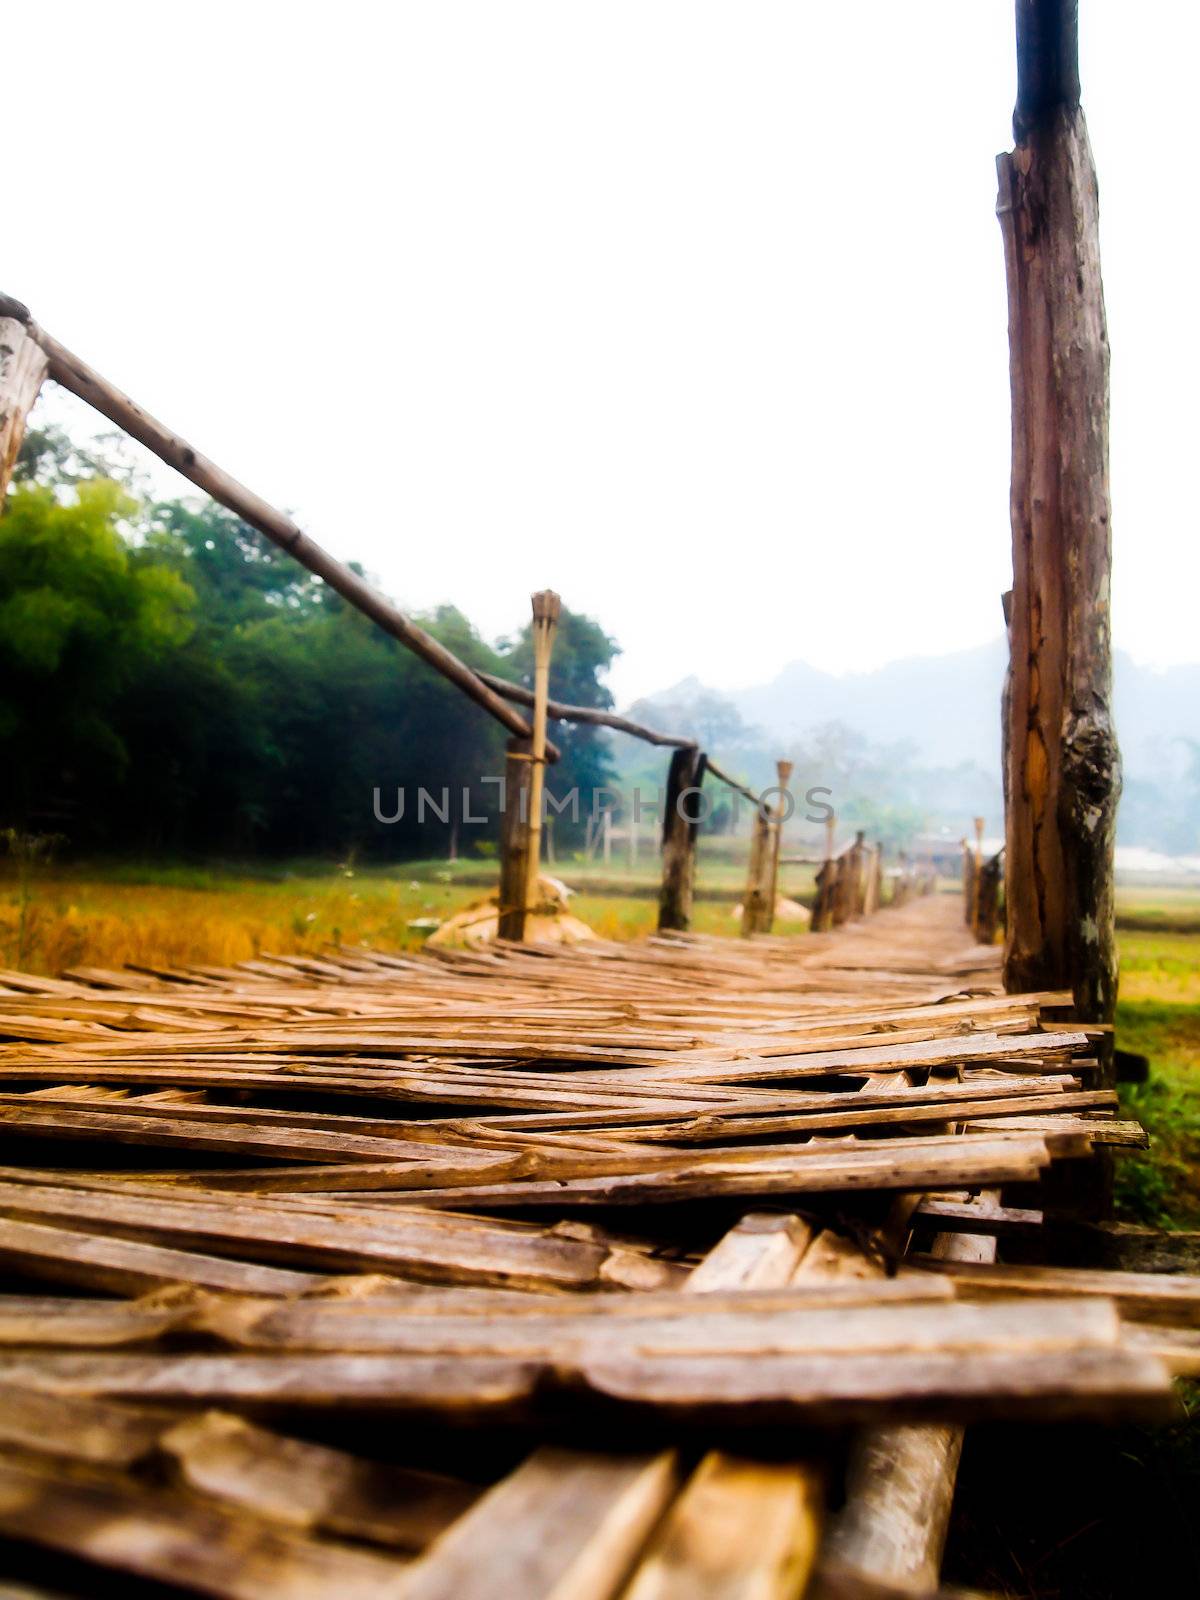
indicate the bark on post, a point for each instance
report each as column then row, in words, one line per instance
column 514, row 840
column 22, row 368
column 1062, row 767
column 681, row 824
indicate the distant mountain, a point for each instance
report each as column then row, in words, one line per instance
column 948, row 707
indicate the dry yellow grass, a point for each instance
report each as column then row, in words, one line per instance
column 107, row 919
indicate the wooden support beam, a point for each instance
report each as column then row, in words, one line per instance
column 1062, row 766
column 681, row 824
column 22, row 368
column 81, row 380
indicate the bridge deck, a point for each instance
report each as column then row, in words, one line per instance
column 376, row 1274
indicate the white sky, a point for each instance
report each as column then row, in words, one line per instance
column 693, row 312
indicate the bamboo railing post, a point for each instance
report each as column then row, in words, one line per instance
column 783, row 772
column 874, row 864
column 858, row 863
column 822, row 917
column 758, row 872
column 23, row 365
column 979, row 821
column 968, row 876
column 514, row 840
column 681, row 824
column 987, row 899
column 546, row 610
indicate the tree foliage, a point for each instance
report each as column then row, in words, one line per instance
column 172, row 683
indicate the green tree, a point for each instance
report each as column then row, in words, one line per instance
column 80, row 617
column 238, row 575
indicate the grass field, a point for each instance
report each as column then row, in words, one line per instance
column 105, row 916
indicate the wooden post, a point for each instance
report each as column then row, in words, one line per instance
column 514, row 840
column 22, row 368
column 987, row 899
column 546, row 609
column 822, row 917
column 871, row 877
column 968, row 879
column 858, row 873
column 681, row 824
column 755, row 917
column 783, row 772
column 1062, row 775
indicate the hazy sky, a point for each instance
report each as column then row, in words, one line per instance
column 693, row 312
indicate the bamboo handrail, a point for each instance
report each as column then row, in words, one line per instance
column 74, row 374
column 592, row 715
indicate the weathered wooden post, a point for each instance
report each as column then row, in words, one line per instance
column 681, row 824
column 968, row 883
column 783, row 771
column 848, row 882
column 524, row 786
column 858, row 874
column 546, row 609
column 987, row 899
column 22, row 368
column 871, row 879
column 822, row 917
column 758, row 875
column 514, row 840
column 1062, row 775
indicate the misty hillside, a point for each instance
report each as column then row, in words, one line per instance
column 949, row 707
column 925, row 732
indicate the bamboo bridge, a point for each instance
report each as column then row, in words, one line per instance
column 660, row 1269
column 668, row 1269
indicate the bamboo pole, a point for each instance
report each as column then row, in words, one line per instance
column 758, row 873
column 592, row 716
column 22, row 368
column 67, row 369
column 514, row 842
column 783, row 771
column 546, row 610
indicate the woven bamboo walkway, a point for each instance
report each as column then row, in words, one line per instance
column 652, row 1270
